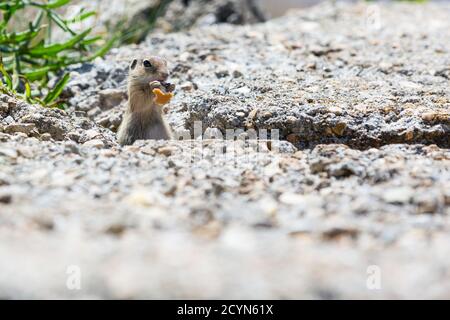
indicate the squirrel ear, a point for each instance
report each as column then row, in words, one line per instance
column 133, row 64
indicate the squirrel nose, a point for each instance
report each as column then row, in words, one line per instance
column 164, row 75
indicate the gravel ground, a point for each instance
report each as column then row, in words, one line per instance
column 360, row 180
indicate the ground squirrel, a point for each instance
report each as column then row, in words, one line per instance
column 143, row 118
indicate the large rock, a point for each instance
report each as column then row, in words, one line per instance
column 319, row 76
column 44, row 123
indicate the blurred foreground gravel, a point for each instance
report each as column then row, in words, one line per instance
column 359, row 182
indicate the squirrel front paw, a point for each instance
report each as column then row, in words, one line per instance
column 156, row 85
column 170, row 87
column 163, row 86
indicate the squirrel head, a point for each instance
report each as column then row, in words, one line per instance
column 145, row 70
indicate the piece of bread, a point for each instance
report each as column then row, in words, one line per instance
column 162, row 98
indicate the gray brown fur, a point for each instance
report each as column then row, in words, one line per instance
column 143, row 118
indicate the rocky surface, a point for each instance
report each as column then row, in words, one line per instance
column 360, row 179
column 18, row 117
column 324, row 75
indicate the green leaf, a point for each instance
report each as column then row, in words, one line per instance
column 27, row 89
column 26, row 35
column 91, row 40
column 10, row 5
column 55, row 4
column 19, row 37
column 60, row 22
column 56, row 91
column 6, row 76
column 37, row 74
column 5, row 6
column 10, row 9
column 2, row 26
column 58, row 47
column 37, row 21
column 81, row 17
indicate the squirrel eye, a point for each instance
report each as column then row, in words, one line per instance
column 147, row 64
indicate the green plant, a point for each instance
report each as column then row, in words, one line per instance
column 30, row 57
column 136, row 30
